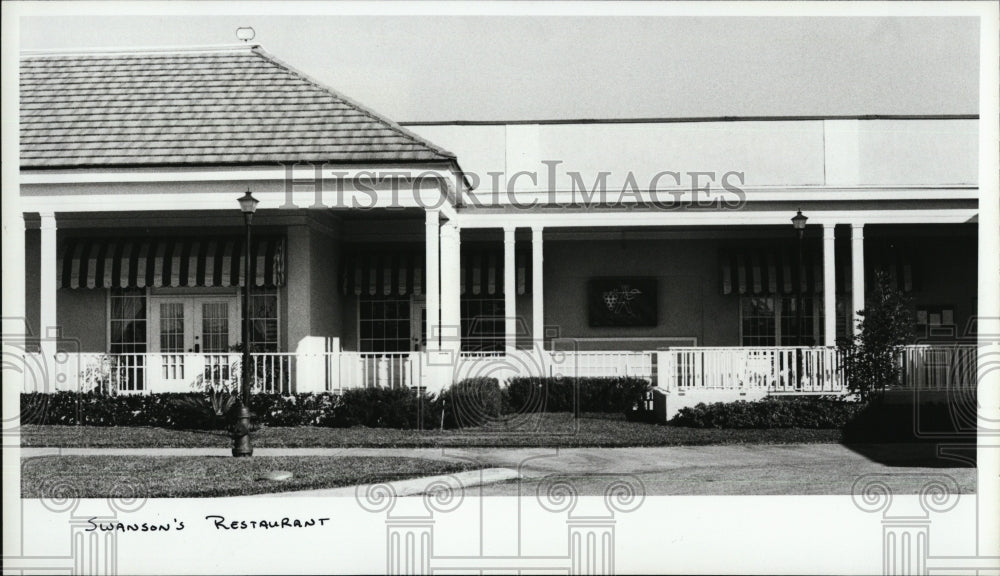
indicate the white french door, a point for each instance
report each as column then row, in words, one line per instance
column 193, row 335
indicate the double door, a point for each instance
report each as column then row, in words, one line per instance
column 193, row 334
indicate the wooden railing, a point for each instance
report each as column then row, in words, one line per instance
column 939, row 367
column 792, row 370
column 772, row 370
column 367, row 370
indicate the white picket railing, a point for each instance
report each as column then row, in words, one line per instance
column 367, row 370
column 939, row 367
column 774, row 370
column 793, row 370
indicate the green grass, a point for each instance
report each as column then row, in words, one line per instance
column 536, row 430
column 208, row 476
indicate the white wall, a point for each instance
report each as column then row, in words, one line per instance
column 770, row 153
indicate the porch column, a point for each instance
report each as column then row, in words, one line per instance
column 431, row 281
column 49, row 284
column 509, row 289
column 451, row 319
column 537, row 294
column 857, row 274
column 829, row 287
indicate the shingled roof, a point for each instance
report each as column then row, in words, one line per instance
column 208, row 107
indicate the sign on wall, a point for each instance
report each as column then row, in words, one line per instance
column 622, row 301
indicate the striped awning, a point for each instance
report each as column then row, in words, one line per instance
column 401, row 272
column 387, row 273
column 482, row 272
column 769, row 269
column 169, row 261
column 751, row 268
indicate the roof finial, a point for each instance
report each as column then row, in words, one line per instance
column 245, row 33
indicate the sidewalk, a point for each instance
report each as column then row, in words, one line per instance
column 715, row 469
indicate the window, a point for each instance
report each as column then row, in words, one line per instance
column 263, row 320
column 128, row 321
column 772, row 320
column 384, row 324
column 757, row 319
column 935, row 321
column 215, row 326
column 172, row 327
column 811, row 326
column 483, row 327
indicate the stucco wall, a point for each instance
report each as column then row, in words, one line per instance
column 838, row 152
column 313, row 300
column 83, row 316
column 690, row 302
column 324, row 294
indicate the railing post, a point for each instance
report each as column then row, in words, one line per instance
column 310, row 373
column 665, row 372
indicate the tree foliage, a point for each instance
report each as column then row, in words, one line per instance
column 871, row 358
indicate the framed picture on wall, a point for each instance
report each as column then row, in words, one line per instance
column 622, row 301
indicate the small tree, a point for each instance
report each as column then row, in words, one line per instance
column 871, row 357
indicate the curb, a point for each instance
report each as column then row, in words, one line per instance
column 410, row 487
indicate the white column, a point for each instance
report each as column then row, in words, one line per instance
column 451, row 319
column 432, row 285
column 829, row 287
column 857, row 274
column 49, row 284
column 537, row 283
column 509, row 289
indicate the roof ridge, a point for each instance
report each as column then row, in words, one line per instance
column 138, row 51
column 353, row 103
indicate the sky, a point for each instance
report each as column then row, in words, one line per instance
column 502, row 68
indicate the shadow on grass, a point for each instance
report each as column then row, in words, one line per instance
column 908, row 431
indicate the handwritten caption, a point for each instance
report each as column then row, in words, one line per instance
column 216, row 521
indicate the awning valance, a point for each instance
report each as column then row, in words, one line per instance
column 169, row 261
column 401, row 272
column 754, row 268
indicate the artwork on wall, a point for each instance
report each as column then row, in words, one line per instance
column 622, row 301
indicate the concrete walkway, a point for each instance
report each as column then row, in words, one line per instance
column 732, row 469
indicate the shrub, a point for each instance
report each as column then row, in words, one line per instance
column 379, row 408
column 871, row 357
column 593, row 394
column 768, row 413
column 186, row 411
column 468, row 403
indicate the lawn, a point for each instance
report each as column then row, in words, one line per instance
column 206, row 476
column 536, row 430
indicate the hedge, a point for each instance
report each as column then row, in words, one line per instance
column 470, row 403
column 769, row 413
column 465, row 404
column 594, row 394
column 181, row 410
column 379, row 408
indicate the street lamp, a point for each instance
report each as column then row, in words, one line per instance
column 799, row 223
column 241, row 432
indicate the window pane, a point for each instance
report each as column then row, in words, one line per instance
column 384, row 324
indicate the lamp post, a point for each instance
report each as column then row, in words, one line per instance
column 799, row 223
column 241, row 432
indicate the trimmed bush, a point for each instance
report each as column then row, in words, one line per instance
column 469, row 403
column 185, row 411
column 769, row 413
column 594, row 394
column 379, row 408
